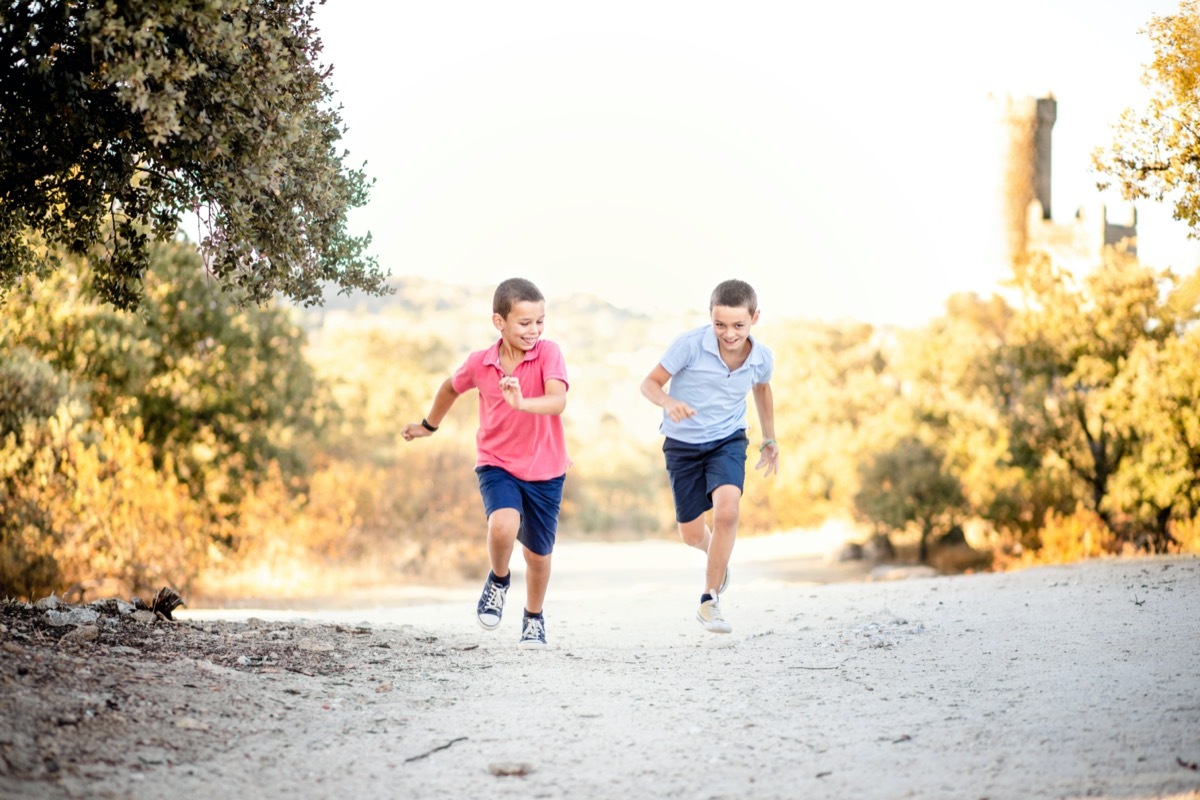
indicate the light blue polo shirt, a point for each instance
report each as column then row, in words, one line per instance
column 700, row 378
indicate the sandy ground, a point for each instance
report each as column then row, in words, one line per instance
column 1056, row 682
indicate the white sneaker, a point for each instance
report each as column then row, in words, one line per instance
column 724, row 583
column 709, row 615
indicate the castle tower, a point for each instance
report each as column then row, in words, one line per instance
column 1077, row 244
column 1028, row 123
column 1045, row 114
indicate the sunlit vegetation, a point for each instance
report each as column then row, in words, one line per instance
column 227, row 450
column 122, row 120
column 1155, row 148
column 1060, row 409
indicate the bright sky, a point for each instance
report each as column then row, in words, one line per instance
column 838, row 156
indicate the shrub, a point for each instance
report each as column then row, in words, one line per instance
column 1065, row 538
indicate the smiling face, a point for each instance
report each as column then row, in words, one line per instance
column 524, row 324
column 732, row 326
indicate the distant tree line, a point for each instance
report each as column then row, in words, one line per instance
column 196, row 435
column 1074, row 395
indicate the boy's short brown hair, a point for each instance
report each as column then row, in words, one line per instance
column 513, row 291
column 734, row 294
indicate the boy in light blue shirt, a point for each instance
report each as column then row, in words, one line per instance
column 711, row 370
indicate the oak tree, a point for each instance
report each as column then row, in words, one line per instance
column 1067, row 346
column 1156, row 151
column 910, row 485
column 119, row 120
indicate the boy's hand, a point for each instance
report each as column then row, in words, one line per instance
column 415, row 430
column 510, row 387
column 677, row 410
column 769, row 457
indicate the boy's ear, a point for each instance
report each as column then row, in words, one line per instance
column 754, row 318
column 498, row 321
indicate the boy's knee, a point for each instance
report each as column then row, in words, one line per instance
column 692, row 533
column 726, row 516
column 505, row 522
column 536, row 559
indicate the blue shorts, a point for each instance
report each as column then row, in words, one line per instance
column 536, row 501
column 697, row 469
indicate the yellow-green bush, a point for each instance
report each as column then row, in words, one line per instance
column 1072, row 537
column 89, row 514
column 127, row 525
column 356, row 525
column 1186, row 534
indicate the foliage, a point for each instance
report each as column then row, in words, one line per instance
column 357, row 523
column 377, row 374
column 83, row 504
column 200, row 444
column 132, row 440
column 1185, row 536
column 1155, row 151
column 37, row 408
column 1067, row 346
column 909, row 484
column 219, row 391
column 128, row 524
column 958, row 384
column 1054, row 401
column 117, row 120
column 1156, row 397
column 834, row 401
column 1072, row 537
column 617, row 487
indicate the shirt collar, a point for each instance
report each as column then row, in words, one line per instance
column 710, row 344
column 492, row 356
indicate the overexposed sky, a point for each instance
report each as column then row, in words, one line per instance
column 838, row 156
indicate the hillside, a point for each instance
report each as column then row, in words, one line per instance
column 608, row 349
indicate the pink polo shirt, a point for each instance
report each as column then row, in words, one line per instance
column 531, row 447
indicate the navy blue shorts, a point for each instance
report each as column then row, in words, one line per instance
column 697, row 469
column 536, row 501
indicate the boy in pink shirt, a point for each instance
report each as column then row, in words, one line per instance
column 521, row 448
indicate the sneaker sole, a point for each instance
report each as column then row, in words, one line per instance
column 531, row 645
column 485, row 626
column 724, row 584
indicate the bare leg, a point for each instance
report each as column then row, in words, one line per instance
column 695, row 533
column 726, row 501
column 503, row 525
column 537, row 578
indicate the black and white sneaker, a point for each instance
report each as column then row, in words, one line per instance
column 533, row 634
column 491, row 604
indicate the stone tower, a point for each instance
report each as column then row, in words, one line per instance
column 1029, row 223
column 1028, row 123
column 1045, row 113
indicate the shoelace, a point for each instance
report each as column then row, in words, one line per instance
column 495, row 598
column 714, row 612
column 534, row 629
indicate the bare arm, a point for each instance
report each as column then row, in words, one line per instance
column 764, row 402
column 553, row 402
column 442, row 401
column 653, row 389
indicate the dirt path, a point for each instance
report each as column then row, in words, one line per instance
column 1063, row 682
